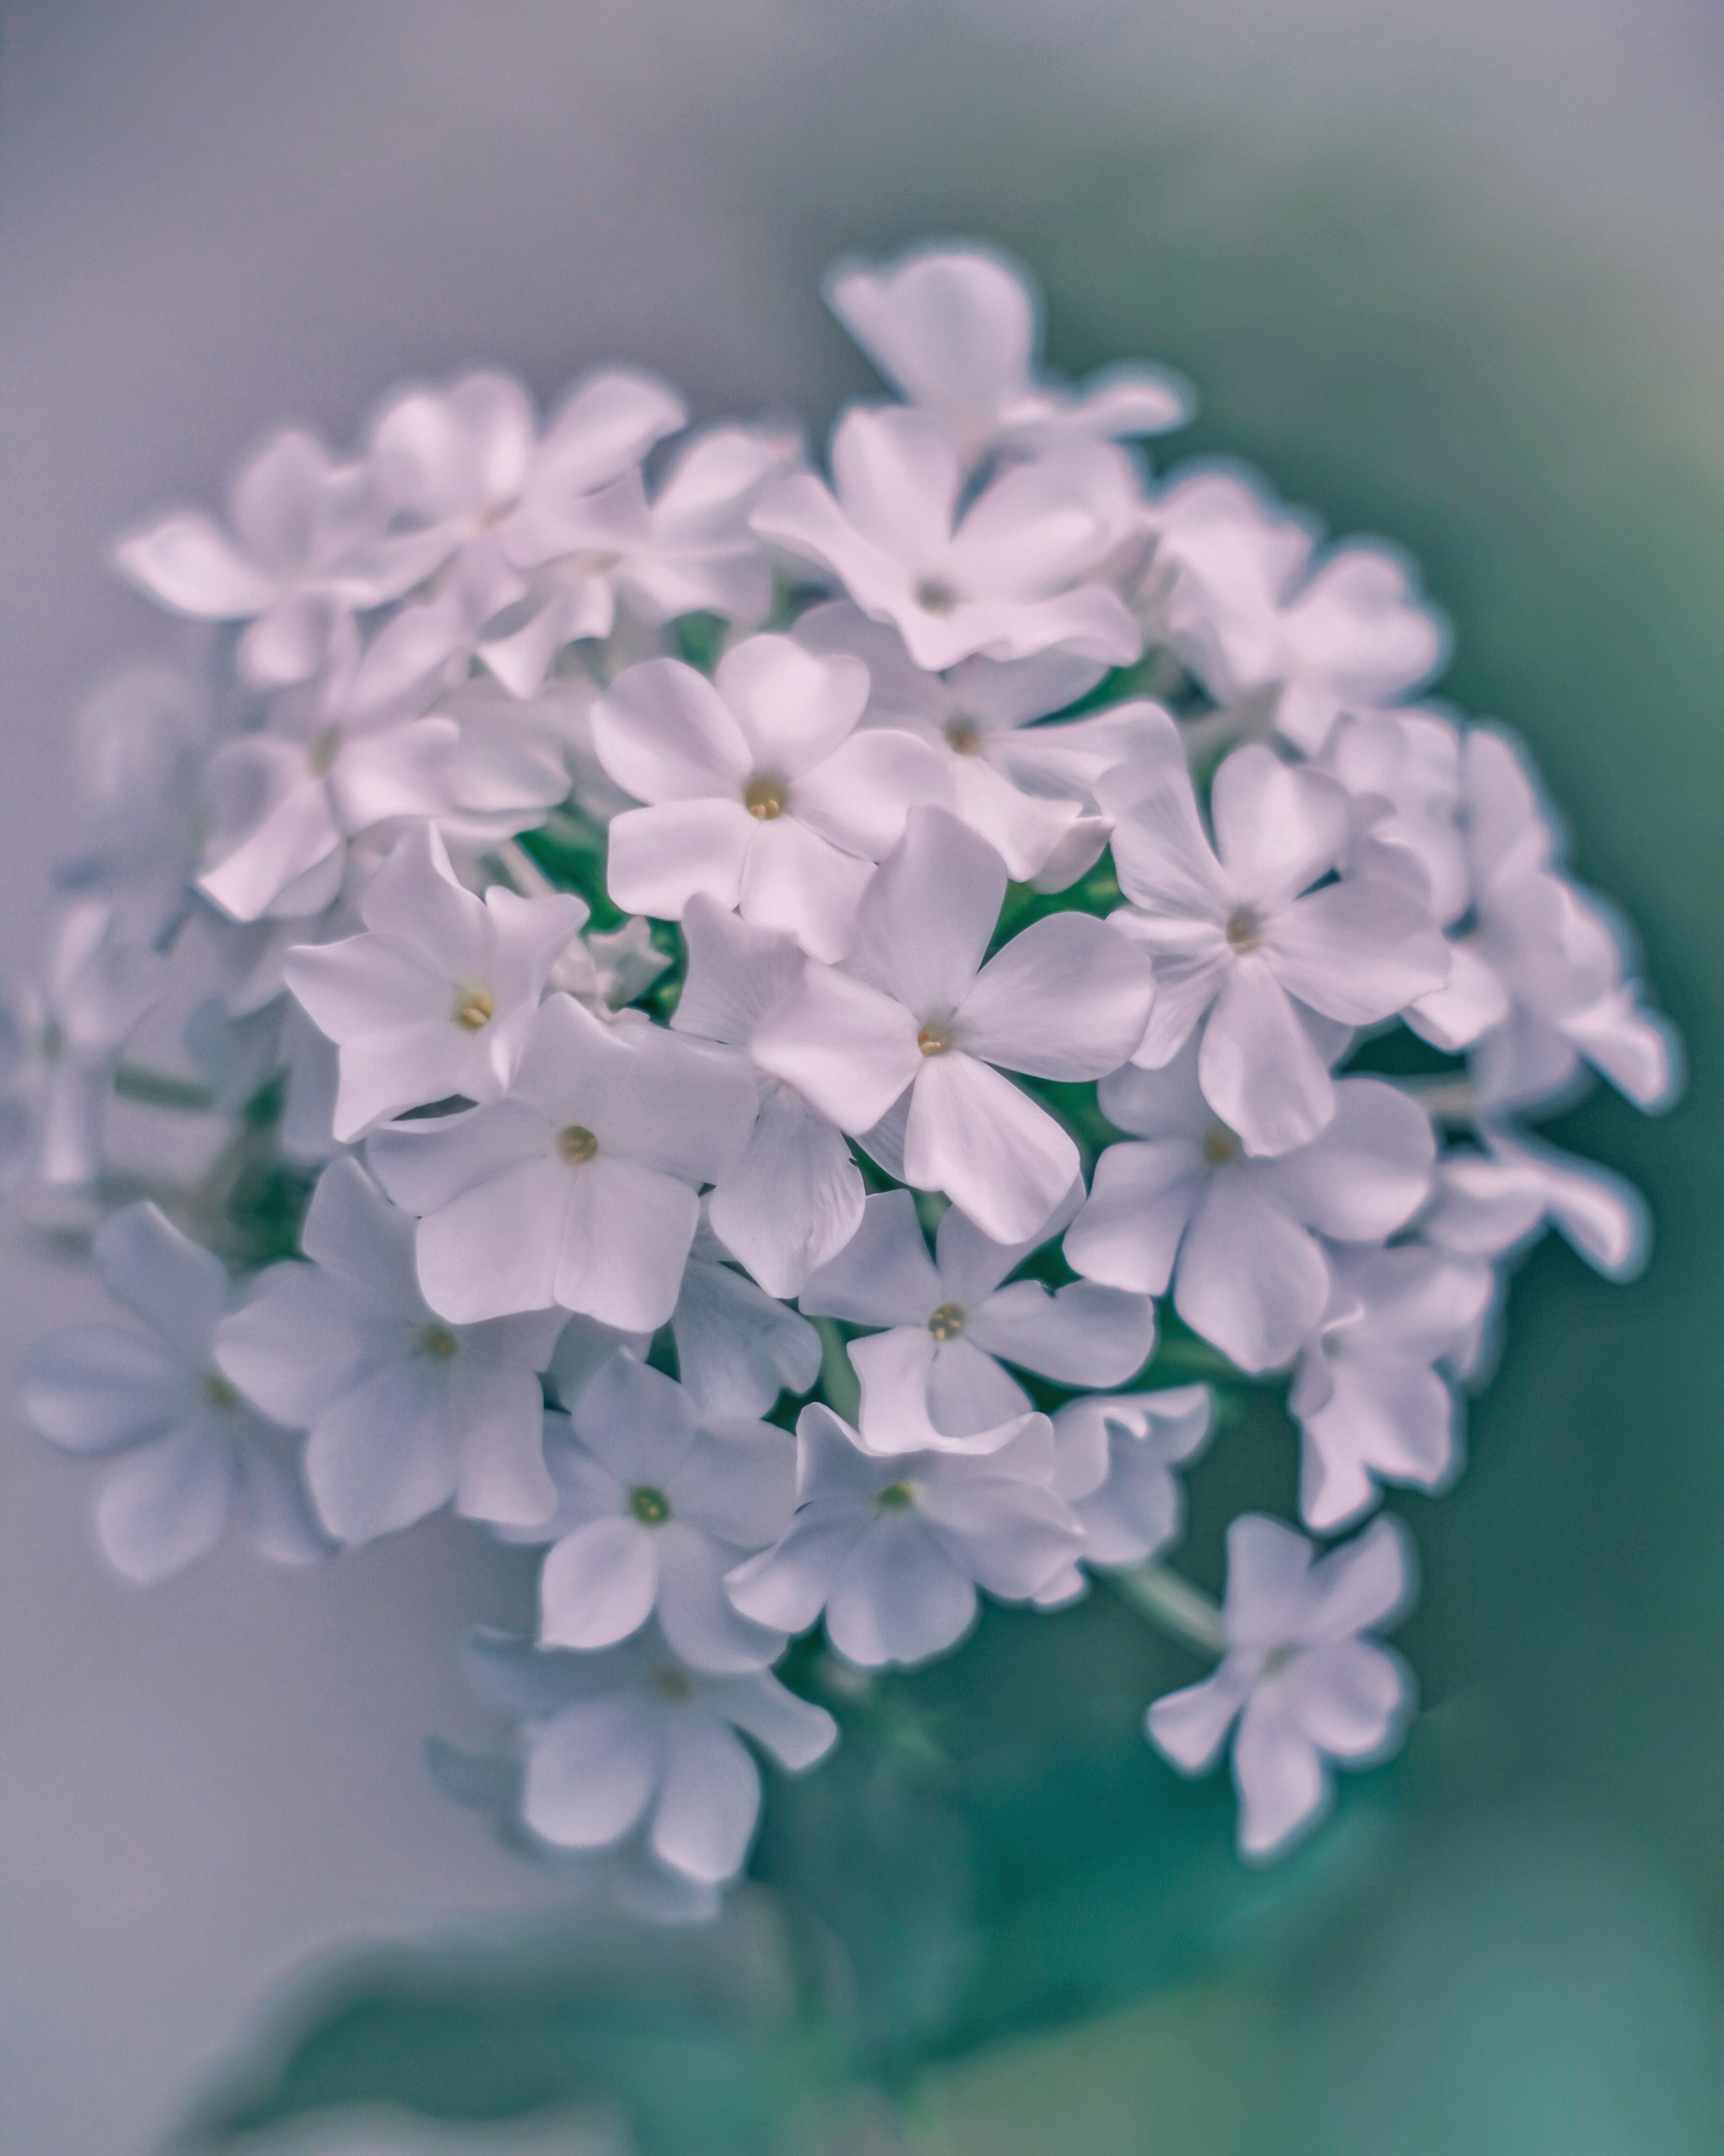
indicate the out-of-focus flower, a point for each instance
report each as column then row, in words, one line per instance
column 892, row 1550
column 1300, row 1677
column 655, row 1503
column 629, row 1737
column 406, row 1412
column 954, row 331
column 197, row 1456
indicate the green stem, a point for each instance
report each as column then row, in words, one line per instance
column 1444, row 1100
column 1173, row 1603
column 137, row 1081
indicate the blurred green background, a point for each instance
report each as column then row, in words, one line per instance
column 1455, row 283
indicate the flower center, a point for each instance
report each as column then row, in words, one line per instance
column 1220, row 1146
column 934, row 595
column 326, row 747
column 671, row 1683
column 52, row 1041
column 765, row 798
column 1274, row 1661
column 963, row 737
column 896, row 1497
column 438, row 1340
column 651, row 1507
column 218, row 1392
column 947, row 1323
column 576, row 1144
column 1245, row 931
column 934, row 1039
column 474, row 1006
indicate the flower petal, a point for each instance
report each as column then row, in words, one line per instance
column 1067, row 999
column 990, row 1147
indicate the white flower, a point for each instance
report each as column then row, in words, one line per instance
column 577, row 1188
column 1017, row 571
column 1026, row 788
column 466, row 465
column 93, row 986
column 655, row 1503
column 1557, row 952
column 795, row 1197
column 1247, row 610
column 934, row 1381
column 1233, row 936
column 627, row 1738
column 762, row 795
column 920, row 1013
column 954, row 331
column 405, row 1412
column 894, row 1549
column 198, row 1455
column 1304, row 1685
column 310, row 551
column 436, row 997
column 1236, row 1233
column 737, row 1347
column 1368, row 1394
column 1488, row 1202
column 688, row 549
column 1114, row 1455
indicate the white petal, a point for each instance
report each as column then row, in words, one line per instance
column 1368, row 1173
column 793, row 707
column 383, row 1454
column 1250, row 1279
column 1357, row 951
column 859, row 797
column 178, row 1288
column 1069, row 998
column 990, row 1147
column 1257, row 1065
column 599, row 1585
column 737, row 1347
column 663, row 733
column 884, row 1274
column 1140, row 1202
column 624, row 1241
column 1281, row 1779
column 795, row 881
column 660, row 858
column 1084, row 1335
column 848, row 1049
column 795, row 1731
column 591, row 1773
column 697, row 1619
column 928, row 915
column 900, row 1598
column 1278, row 827
column 786, row 1586
column 166, row 1504
column 188, row 564
column 708, row 1800
column 1190, row 1727
column 94, row 1389
column 796, row 1198
column 1347, row 1696
column 738, row 973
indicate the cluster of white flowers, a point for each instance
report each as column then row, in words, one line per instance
column 702, row 930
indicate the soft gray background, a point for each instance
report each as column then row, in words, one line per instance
column 1497, row 213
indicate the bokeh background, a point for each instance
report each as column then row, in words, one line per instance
column 1455, row 275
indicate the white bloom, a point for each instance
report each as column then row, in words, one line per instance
column 737, row 1347
column 1026, row 788
column 1249, row 610
column 1557, row 952
column 1018, row 570
column 1368, row 1394
column 1113, row 1457
column 1303, row 1683
column 1238, row 1234
column 1406, row 766
column 795, row 1197
column 1233, row 936
column 688, row 549
column 436, row 997
column 1488, row 1202
column 405, row 1412
column 894, row 1549
column 310, row 551
column 954, row 331
column 577, row 1188
column 934, row 1381
column 627, row 1738
column 198, row 1455
column 93, row 986
column 655, row 1503
column 762, row 795
column 467, row 465
column 920, row 1013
